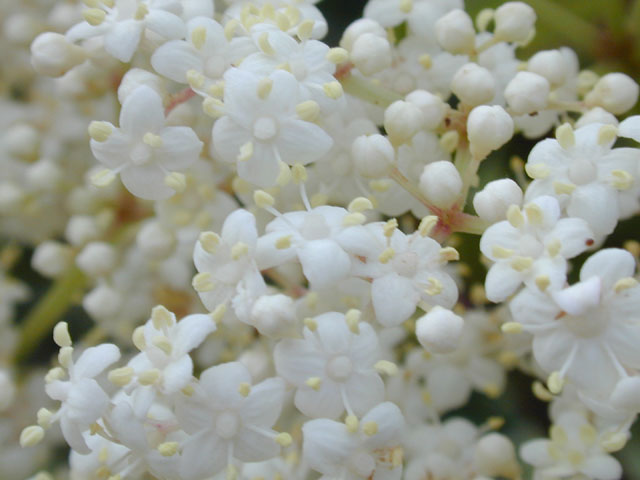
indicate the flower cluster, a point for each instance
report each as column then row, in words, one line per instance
column 267, row 229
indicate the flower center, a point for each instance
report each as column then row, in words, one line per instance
column 298, row 69
column 339, row 368
column 530, row 246
column 227, row 425
column 406, row 264
column 265, row 128
column 314, row 227
column 588, row 325
column 363, row 464
column 215, row 66
column 582, row 171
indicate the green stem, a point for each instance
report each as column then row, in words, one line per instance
column 470, row 224
column 468, row 166
column 47, row 311
column 369, row 91
column 583, row 35
column 632, row 26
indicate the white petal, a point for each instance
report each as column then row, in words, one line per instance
column 165, row 23
column 262, row 168
column 264, row 403
column 610, row 265
column 501, row 234
column 327, row 445
column 502, row 281
column 72, row 434
column 574, row 235
column 203, row 455
column 250, row 446
column 324, row 402
column 630, row 128
column 174, row 59
column 191, row 332
column 240, row 226
column 114, row 151
column 123, row 39
column 142, row 112
column 177, row 374
column 394, row 299
column 127, row 428
column 321, row 273
column 579, row 298
column 94, row 360
column 390, row 425
column 536, row 452
column 296, row 361
column 180, row 148
column 146, row 181
column 602, row 467
column 597, row 204
column 364, row 390
column 221, row 383
column 302, row 142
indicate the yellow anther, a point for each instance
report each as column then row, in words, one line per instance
column 555, row 383
column 188, row 390
column 390, row 227
column 246, row 152
column 230, row 28
column 232, row 472
column 314, row 382
column 202, row 282
column 283, row 439
column 283, row 242
column 137, row 337
column 387, row 254
column 500, row 252
column 311, row 324
column 267, row 11
column 563, row 188
column 293, row 14
column 333, row 90
column 217, row 89
column 397, row 457
column 624, row 284
column 515, row 216
column 244, row 389
column 309, row 111
column 282, row 21
column 141, row 11
column 94, row 16
column 355, row 218
column 44, row 417
column 565, row 136
column 198, row 37
column 305, row 29
column 152, row 140
column 426, row 397
column 386, row 367
column 543, row 282
column 370, row 428
column 511, row 327
column 56, row 373
column 161, row 317
column 284, row 176
column 100, row 131
column 588, row 434
column 427, row 225
column 434, row 286
column 209, row 241
column 380, row 186
column 449, row 254
column 483, row 19
column 495, row 423
column 218, row 313
column 61, row 334
column 520, row 264
column 264, row 87
column 176, row 181
column 31, row 436
column 352, row 423
column 541, row 392
column 449, row 141
column 239, row 250
column 535, row 215
column 477, row 294
column 121, row 376
column 554, row 247
column 406, row 6
column 168, row 449
column 195, row 79
column 337, row 55
column 360, row 204
column 491, row 390
column 613, row 441
column 262, row 199
column 213, row 107
column 163, row 343
column 426, row 61
column 103, row 178
column 65, row 356
column 299, row 173
column 607, row 134
column 621, row 179
column 352, row 317
column 265, row 46
column 149, row 377
column 537, row 171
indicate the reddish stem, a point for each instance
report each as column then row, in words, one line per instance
column 178, row 98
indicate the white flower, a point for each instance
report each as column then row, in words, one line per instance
column 332, row 367
column 228, row 418
column 532, row 246
column 574, row 448
column 202, row 59
column 226, row 263
column 261, row 127
column 83, row 399
column 584, row 173
column 144, row 151
column 167, row 344
column 364, row 449
column 122, row 25
column 587, row 333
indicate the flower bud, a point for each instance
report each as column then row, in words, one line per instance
column 488, row 128
column 626, row 394
column 455, row 32
column 432, row 107
column 495, row 456
column 273, row 315
column 53, row 55
column 373, row 155
column 102, row 302
column 155, row 241
column 551, row 64
column 515, row 22
column 402, row 120
column 44, row 175
column 473, row 84
column 371, row 53
column 51, row 259
column 493, row 201
column 527, row 93
column 20, row 28
column 22, row 140
column 135, row 78
column 596, row 115
column 358, row 28
column 81, row 229
column 96, row 259
column 441, row 183
column 615, row 92
column 439, row 330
